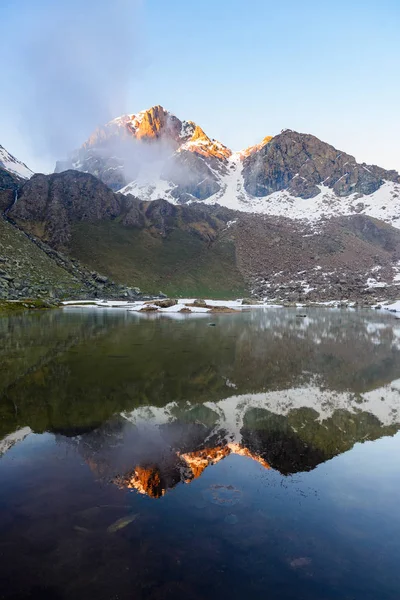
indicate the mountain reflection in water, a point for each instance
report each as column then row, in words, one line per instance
column 102, row 411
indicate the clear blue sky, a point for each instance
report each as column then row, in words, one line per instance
column 241, row 70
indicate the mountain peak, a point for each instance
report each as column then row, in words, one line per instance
column 179, row 162
column 251, row 149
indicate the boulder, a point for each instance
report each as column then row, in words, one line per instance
column 165, row 303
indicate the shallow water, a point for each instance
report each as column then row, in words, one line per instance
column 157, row 457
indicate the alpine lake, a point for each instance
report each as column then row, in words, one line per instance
column 156, row 457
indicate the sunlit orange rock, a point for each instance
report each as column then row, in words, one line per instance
column 245, row 153
column 144, row 480
column 199, row 460
column 151, row 480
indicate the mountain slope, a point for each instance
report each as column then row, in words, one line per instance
column 9, row 185
column 13, row 165
column 156, row 246
column 150, row 145
column 27, row 271
column 156, row 155
column 201, row 250
column 29, row 267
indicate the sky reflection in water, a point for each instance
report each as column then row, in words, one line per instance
column 156, row 458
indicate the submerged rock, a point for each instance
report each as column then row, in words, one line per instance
column 231, row 519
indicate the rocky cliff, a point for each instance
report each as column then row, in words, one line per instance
column 301, row 164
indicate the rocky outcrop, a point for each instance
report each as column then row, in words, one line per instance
column 9, row 185
column 48, row 203
column 192, row 176
column 299, row 163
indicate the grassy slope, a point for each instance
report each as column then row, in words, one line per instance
column 181, row 264
column 26, row 262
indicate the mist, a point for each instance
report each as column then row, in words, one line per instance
column 79, row 58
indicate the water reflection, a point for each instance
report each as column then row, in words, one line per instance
column 124, row 439
column 303, row 390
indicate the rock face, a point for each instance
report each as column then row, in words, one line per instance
column 299, row 163
column 48, row 203
column 9, row 185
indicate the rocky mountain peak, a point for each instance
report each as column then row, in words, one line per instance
column 200, row 143
column 198, row 134
column 176, row 160
column 155, row 123
column 300, row 163
column 251, row 149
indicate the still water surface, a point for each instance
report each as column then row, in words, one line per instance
column 158, row 457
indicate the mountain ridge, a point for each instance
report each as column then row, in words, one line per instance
column 220, row 242
column 200, row 250
column 154, row 154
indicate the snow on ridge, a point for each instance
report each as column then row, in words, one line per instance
column 187, row 129
column 158, row 188
column 11, row 164
column 231, row 410
column 134, row 118
column 14, row 438
column 384, row 204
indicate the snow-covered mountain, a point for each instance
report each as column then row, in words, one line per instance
column 13, row 165
column 153, row 154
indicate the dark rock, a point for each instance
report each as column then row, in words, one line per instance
column 299, row 162
column 200, row 303
column 164, row 303
column 56, row 200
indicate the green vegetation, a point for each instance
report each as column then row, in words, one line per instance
column 8, row 307
column 181, row 264
column 25, row 268
column 309, row 441
column 71, row 370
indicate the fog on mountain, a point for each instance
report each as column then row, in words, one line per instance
column 78, row 58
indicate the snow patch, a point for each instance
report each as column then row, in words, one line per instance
column 11, row 164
